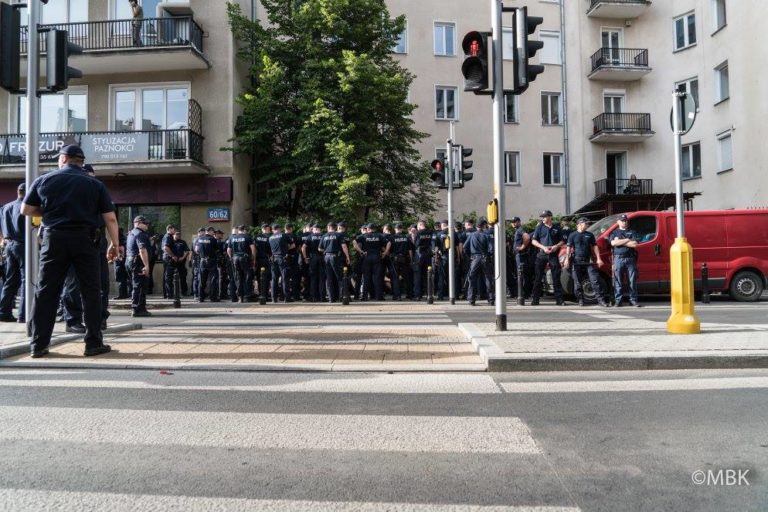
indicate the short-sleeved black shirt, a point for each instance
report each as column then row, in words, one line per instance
column 206, row 246
column 401, row 244
column 179, row 248
column 137, row 240
column 12, row 223
column 332, row 242
column 582, row 244
column 373, row 242
column 240, row 244
column 70, row 198
column 623, row 250
column 263, row 250
column 423, row 241
column 279, row 243
column 547, row 236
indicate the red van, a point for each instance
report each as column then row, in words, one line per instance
column 733, row 244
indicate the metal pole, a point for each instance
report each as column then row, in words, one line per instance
column 31, row 249
column 451, row 255
column 499, row 251
column 677, row 95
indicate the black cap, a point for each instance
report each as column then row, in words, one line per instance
column 331, row 224
column 242, row 226
column 623, row 216
column 444, row 221
column 398, row 225
column 276, row 226
column 265, row 225
column 341, row 224
column 372, row 225
column 289, row 225
column 582, row 220
column 314, row 225
column 482, row 222
column 72, row 150
column 210, row 228
column 545, row 213
column 515, row 219
column 140, row 218
column 22, row 187
column 412, row 226
column 201, row 229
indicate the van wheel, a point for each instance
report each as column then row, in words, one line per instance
column 746, row 286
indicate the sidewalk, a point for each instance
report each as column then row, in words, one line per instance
column 14, row 339
column 572, row 339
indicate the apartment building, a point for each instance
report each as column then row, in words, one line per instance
column 151, row 115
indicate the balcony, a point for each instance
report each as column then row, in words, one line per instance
column 621, row 128
column 623, row 187
column 113, row 153
column 619, row 64
column 617, row 9
column 161, row 44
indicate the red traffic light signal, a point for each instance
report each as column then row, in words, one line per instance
column 475, row 65
column 438, row 173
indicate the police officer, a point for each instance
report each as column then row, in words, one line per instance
column 422, row 241
column 478, row 251
column 242, row 251
column 582, row 245
column 292, row 260
column 223, row 267
column 195, row 264
column 303, row 272
column 402, row 254
column 70, row 203
column 624, row 243
column 181, row 254
column 547, row 239
column 313, row 262
column 103, row 262
column 373, row 243
column 121, row 275
column 440, row 243
column 521, row 247
column 279, row 244
column 335, row 251
column 166, row 249
column 207, row 247
column 263, row 256
column 137, row 263
column 13, row 230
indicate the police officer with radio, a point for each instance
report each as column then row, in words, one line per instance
column 477, row 248
column 206, row 248
column 521, row 247
column 421, row 258
column 334, row 248
column 13, row 230
column 137, row 263
column 373, row 243
column 548, row 240
column 280, row 244
column 71, row 204
column 624, row 243
column 441, row 241
column 242, row 251
column 582, row 246
column 402, row 254
column 263, row 255
column 313, row 262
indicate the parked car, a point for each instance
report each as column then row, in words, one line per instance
column 732, row 243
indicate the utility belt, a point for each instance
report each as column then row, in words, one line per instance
column 134, row 263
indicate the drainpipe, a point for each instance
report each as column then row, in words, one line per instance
column 564, row 79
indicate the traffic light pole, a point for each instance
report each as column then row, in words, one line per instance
column 31, row 250
column 451, row 249
column 499, row 250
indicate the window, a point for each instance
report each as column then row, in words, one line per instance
column 445, row 103
column 685, row 31
column 613, row 103
column 550, row 108
column 550, row 54
column 63, row 112
column 553, row 168
column 691, row 86
column 440, row 154
column 644, row 228
column 158, row 216
column 691, row 164
column 725, row 150
column 444, row 39
column 722, row 88
column 64, row 11
column 719, row 14
column 157, row 107
column 511, row 108
column 511, row 167
column 122, row 10
column 402, row 42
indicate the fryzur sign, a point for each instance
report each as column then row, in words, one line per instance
column 106, row 147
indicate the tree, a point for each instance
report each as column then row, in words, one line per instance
column 326, row 118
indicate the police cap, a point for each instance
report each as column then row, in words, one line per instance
column 210, row 228
column 545, row 213
column 515, row 219
column 242, row 226
column 398, row 225
column 582, row 220
column 331, row 224
column 201, row 230
column 140, row 218
column 342, row 224
column 22, row 187
column 314, row 225
column 623, row 216
column 265, row 225
column 276, row 226
column 289, row 225
column 72, row 150
column 372, row 225
column 482, row 222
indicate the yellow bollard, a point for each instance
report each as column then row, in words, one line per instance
column 683, row 319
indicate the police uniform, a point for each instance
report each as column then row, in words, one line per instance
column 315, row 266
column 624, row 262
column 263, row 255
column 373, row 271
column 179, row 248
column 292, row 259
column 279, row 245
column 523, row 260
column 580, row 247
column 12, row 226
column 241, row 245
column 331, row 247
column 441, row 262
column 196, row 265
column 207, row 248
column 168, row 266
column 72, row 204
column 548, row 236
column 477, row 248
column 421, row 260
column 401, row 277
column 303, row 277
column 137, row 240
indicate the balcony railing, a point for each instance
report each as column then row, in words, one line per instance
column 622, row 186
column 110, row 147
column 118, row 34
column 619, row 57
column 621, row 123
column 595, row 3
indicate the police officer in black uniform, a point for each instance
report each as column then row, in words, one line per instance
column 207, row 247
column 263, row 256
column 313, row 262
column 402, row 254
column 373, row 243
column 279, row 244
column 103, row 262
column 195, row 264
column 70, row 203
column 624, row 241
column 292, row 260
column 521, row 248
column 335, row 251
column 12, row 226
column 440, row 247
column 166, row 249
column 422, row 258
column 546, row 238
column 121, row 275
column 477, row 249
column 181, row 254
column 582, row 246
column 242, row 251
column 137, row 260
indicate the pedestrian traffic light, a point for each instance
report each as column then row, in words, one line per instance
column 524, row 26
column 10, row 47
column 438, row 173
column 465, row 164
column 58, row 49
column 475, row 66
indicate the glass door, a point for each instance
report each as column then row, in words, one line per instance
column 613, row 106
column 611, row 44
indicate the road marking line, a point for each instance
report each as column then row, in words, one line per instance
column 416, row 434
column 636, row 385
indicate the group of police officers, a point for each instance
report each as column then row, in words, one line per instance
column 317, row 265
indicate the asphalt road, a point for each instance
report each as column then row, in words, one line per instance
column 131, row 440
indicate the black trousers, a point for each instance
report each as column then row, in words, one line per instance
column 334, row 276
column 421, row 261
column 60, row 250
column 139, row 293
column 480, row 266
column 281, row 277
column 241, row 263
column 316, row 286
column 373, row 277
column 540, row 269
column 14, row 279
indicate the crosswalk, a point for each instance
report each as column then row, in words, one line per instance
column 134, row 441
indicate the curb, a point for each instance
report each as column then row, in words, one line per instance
column 22, row 347
column 500, row 361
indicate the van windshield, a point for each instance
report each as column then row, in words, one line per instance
column 601, row 226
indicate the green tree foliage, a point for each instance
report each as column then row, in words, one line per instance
column 325, row 117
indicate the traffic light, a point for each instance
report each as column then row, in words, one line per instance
column 438, row 173
column 524, row 26
column 58, row 49
column 475, row 66
column 10, row 47
column 465, row 164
